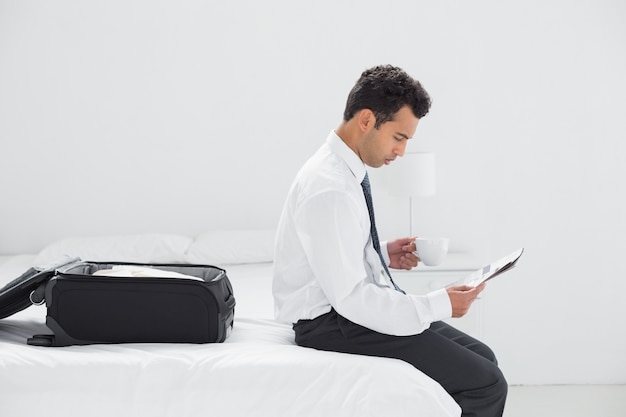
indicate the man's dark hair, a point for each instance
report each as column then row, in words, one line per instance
column 384, row 90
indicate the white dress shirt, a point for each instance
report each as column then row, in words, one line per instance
column 324, row 257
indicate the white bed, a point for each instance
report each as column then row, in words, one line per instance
column 258, row 371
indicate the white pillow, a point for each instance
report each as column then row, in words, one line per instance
column 142, row 248
column 232, row 247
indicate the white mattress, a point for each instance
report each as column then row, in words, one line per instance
column 258, row 371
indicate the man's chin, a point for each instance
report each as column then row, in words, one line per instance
column 376, row 165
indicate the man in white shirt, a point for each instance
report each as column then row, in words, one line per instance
column 330, row 281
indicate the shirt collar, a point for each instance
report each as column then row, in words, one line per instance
column 356, row 166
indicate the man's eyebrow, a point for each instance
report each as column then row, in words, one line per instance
column 405, row 136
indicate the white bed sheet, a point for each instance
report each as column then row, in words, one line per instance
column 258, row 371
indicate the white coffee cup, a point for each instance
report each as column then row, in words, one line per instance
column 431, row 251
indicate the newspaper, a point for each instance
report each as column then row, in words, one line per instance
column 494, row 269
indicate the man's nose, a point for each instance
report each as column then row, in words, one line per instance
column 399, row 150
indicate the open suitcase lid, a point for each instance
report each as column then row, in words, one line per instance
column 21, row 292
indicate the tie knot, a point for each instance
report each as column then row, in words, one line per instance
column 366, row 182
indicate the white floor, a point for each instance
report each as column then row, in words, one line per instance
column 566, row 401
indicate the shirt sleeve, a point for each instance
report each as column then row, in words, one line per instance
column 331, row 230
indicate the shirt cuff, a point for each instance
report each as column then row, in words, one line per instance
column 383, row 249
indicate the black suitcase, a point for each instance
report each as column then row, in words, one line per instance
column 85, row 309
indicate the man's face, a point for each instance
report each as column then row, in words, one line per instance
column 381, row 146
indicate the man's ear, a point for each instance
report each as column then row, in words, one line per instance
column 366, row 120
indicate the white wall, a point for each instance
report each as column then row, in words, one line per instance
column 184, row 116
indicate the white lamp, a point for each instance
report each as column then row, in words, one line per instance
column 410, row 176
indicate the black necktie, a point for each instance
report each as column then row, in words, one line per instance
column 367, row 191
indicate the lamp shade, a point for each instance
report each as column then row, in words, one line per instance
column 410, row 176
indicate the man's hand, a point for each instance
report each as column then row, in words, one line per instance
column 462, row 297
column 401, row 254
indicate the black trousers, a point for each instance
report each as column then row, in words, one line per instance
column 466, row 368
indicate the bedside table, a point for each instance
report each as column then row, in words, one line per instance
column 453, row 270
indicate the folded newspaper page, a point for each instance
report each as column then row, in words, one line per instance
column 494, row 269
